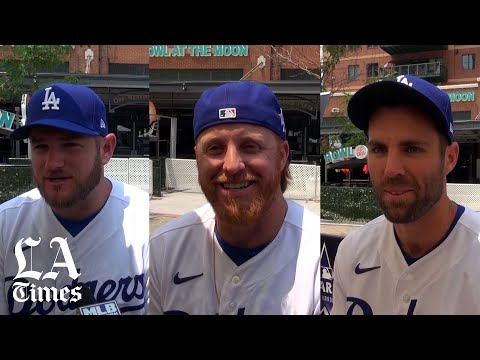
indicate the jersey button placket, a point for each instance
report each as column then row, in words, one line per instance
column 236, row 279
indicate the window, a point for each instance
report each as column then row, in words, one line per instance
column 3, row 66
column 468, row 62
column 164, row 75
column 195, row 75
column 58, row 67
column 461, row 115
column 353, row 72
column 128, row 69
column 298, row 74
column 62, row 67
column 226, row 75
column 372, row 70
column 433, row 66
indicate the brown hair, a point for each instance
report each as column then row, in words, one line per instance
column 285, row 176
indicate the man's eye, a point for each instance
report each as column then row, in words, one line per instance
column 376, row 150
column 251, row 146
column 413, row 149
column 214, row 149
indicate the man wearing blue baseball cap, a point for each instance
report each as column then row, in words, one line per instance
column 77, row 229
column 422, row 255
column 249, row 250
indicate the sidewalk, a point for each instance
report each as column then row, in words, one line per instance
column 172, row 204
column 341, row 229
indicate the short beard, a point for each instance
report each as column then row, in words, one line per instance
column 232, row 211
column 412, row 211
column 82, row 190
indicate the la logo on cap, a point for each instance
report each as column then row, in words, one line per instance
column 402, row 79
column 227, row 113
column 50, row 99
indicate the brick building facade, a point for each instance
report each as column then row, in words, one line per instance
column 453, row 68
column 117, row 73
column 180, row 73
column 150, row 91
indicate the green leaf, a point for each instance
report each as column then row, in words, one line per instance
column 22, row 65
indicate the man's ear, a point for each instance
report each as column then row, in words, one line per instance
column 284, row 153
column 108, row 144
column 451, row 157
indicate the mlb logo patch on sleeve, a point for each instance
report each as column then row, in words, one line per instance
column 227, row 113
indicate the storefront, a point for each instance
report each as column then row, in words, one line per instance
column 127, row 113
column 346, row 166
column 467, row 170
column 466, row 123
column 126, row 102
column 466, row 115
column 174, row 103
column 7, row 120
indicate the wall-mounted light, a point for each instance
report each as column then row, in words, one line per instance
column 260, row 65
column 88, row 57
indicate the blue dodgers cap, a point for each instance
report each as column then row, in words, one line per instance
column 68, row 107
column 239, row 102
column 402, row 90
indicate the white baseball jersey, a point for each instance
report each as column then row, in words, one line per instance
column 110, row 254
column 190, row 273
column 371, row 275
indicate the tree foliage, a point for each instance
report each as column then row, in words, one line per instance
column 321, row 66
column 295, row 55
column 348, row 136
column 22, row 65
column 318, row 64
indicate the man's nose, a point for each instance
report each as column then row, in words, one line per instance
column 394, row 164
column 55, row 159
column 233, row 162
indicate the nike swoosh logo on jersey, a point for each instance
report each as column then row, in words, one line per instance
column 178, row 280
column 364, row 270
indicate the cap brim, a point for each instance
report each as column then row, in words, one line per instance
column 240, row 121
column 24, row 131
column 367, row 100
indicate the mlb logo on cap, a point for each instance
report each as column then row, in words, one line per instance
column 228, row 113
column 245, row 102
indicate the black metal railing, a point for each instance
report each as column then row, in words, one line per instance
column 434, row 70
column 158, row 177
